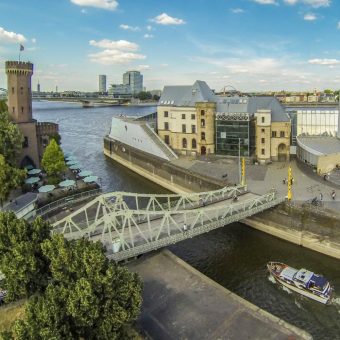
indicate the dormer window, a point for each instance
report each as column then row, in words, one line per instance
column 262, row 119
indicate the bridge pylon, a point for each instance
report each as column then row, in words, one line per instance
column 243, row 172
column 289, row 184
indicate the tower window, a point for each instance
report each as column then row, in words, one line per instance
column 13, row 109
column 202, row 112
column 202, row 123
column 262, row 140
column 184, row 143
column 22, row 109
column 262, row 151
column 262, row 119
column 21, row 90
column 184, row 128
column 12, row 90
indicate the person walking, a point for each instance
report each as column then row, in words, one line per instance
column 333, row 195
column 185, row 228
column 321, row 196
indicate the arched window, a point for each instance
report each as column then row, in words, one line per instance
column 203, row 135
column 184, row 143
column 193, row 144
column 202, row 123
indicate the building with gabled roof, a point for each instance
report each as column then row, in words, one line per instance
column 194, row 120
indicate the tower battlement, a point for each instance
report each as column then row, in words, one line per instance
column 18, row 66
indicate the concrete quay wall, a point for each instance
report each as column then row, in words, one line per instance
column 182, row 303
column 315, row 230
column 161, row 172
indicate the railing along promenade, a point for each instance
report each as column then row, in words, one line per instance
column 130, row 224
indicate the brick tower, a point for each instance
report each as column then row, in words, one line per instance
column 20, row 109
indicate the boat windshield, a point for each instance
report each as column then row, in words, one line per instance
column 318, row 281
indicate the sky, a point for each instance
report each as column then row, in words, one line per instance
column 251, row 45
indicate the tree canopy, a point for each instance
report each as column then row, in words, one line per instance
column 21, row 258
column 10, row 137
column 53, row 159
column 10, row 177
column 88, row 296
column 144, row 95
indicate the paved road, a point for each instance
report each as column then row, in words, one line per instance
column 261, row 178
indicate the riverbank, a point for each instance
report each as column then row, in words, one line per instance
column 182, row 303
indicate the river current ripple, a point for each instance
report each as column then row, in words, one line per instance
column 234, row 256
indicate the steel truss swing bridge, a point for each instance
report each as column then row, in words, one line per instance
column 130, row 224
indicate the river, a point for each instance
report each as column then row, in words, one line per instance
column 234, row 256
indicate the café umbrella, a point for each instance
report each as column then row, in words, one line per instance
column 67, row 183
column 47, row 188
column 85, row 173
column 75, row 167
column 90, row 179
column 32, row 180
column 34, row 172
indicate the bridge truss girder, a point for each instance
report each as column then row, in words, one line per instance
column 132, row 224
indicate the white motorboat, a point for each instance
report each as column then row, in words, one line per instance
column 302, row 281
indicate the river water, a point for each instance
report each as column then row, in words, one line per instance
column 234, row 256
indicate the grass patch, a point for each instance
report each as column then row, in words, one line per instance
column 9, row 313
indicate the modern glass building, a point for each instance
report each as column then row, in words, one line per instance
column 135, row 80
column 102, row 83
column 313, row 121
column 234, row 132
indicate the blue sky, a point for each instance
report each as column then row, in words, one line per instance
column 249, row 44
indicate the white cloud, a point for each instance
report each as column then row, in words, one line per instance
column 324, row 62
column 143, row 67
column 115, row 52
column 148, row 36
column 11, row 37
column 237, row 10
column 103, row 4
column 266, row 2
column 309, row 17
column 129, row 28
column 165, row 19
column 34, row 40
column 115, row 45
column 112, row 57
column 317, row 3
column 83, row 11
column 149, row 28
column 164, row 65
column 312, row 3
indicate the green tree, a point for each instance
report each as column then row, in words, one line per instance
column 328, row 91
column 88, row 296
column 53, row 159
column 155, row 97
column 10, row 178
column 144, row 95
column 11, row 138
column 21, row 258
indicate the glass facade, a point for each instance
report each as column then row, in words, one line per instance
column 313, row 121
column 233, row 132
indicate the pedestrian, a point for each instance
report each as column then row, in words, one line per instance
column 292, row 181
column 185, row 228
column 321, row 196
column 284, row 181
column 325, row 177
column 333, row 195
